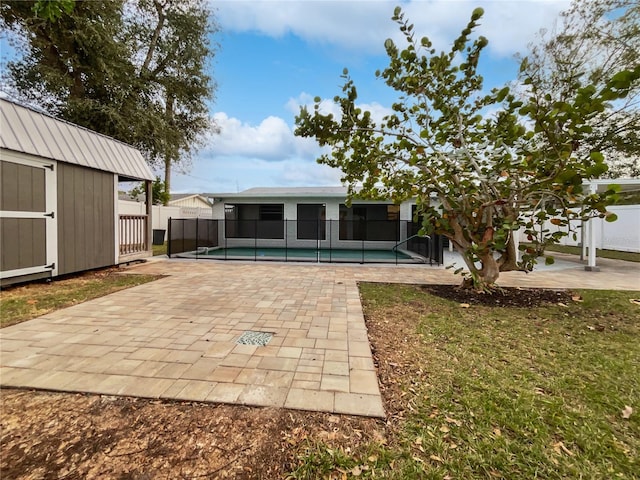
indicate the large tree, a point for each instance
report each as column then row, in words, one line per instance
column 478, row 177
column 593, row 40
column 135, row 70
column 72, row 64
column 172, row 38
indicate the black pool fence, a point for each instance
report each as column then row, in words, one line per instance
column 196, row 237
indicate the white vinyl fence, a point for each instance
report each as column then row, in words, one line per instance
column 622, row 235
column 160, row 214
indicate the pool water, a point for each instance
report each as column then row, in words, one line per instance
column 324, row 255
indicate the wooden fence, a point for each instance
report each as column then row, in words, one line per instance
column 133, row 234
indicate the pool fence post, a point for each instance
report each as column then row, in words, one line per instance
column 317, row 240
column 330, row 240
column 364, row 235
column 397, row 237
column 169, row 240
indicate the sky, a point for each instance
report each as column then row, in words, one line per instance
column 274, row 56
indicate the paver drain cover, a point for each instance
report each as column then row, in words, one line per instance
column 255, row 338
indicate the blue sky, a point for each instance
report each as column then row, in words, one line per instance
column 277, row 55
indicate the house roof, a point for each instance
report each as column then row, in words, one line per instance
column 126, row 196
column 319, row 192
column 600, row 185
column 28, row 131
column 625, row 184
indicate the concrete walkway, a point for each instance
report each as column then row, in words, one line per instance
column 177, row 337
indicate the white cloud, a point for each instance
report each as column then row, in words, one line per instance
column 296, row 173
column 332, row 22
column 378, row 112
column 243, row 156
column 272, row 139
column 363, row 25
column 511, row 25
column 216, row 175
column 304, row 99
column 327, row 106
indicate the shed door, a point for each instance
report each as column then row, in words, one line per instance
column 28, row 216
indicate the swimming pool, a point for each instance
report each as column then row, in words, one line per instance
column 307, row 255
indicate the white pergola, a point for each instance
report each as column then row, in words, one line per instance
column 601, row 186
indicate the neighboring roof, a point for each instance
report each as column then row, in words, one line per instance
column 128, row 197
column 182, row 196
column 319, row 192
column 625, row 184
column 27, row 131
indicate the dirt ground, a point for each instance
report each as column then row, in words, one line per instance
column 71, row 436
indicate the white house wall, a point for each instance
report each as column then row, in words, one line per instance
column 291, row 206
column 290, row 212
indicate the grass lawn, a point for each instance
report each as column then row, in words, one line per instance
column 613, row 254
column 479, row 392
column 159, row 249
column 20, row 303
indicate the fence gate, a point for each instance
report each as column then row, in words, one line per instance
column 28, row 216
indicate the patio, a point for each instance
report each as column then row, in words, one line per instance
column 175, row 338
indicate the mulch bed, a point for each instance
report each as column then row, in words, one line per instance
column 503, row 297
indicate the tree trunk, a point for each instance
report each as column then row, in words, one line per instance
column 483, row 278
column 167, row 154
column 489, row 272
column 167, row 177
column 508, row 262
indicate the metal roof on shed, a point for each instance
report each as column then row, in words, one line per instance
column 25, row 130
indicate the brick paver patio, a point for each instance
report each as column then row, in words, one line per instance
column 176, row 337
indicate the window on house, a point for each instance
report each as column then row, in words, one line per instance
column 370, row 222
column 271, row 212
column 249, row 220
column 311, row 221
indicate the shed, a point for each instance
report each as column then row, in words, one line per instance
column 59, row 198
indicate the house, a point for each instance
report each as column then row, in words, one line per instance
column 191, row 200
column 305, row 209
column 304, row 218
column 307, row 215
column 59, row 198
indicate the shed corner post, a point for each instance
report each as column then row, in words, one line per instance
column 149, row 203
column 116, row 220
